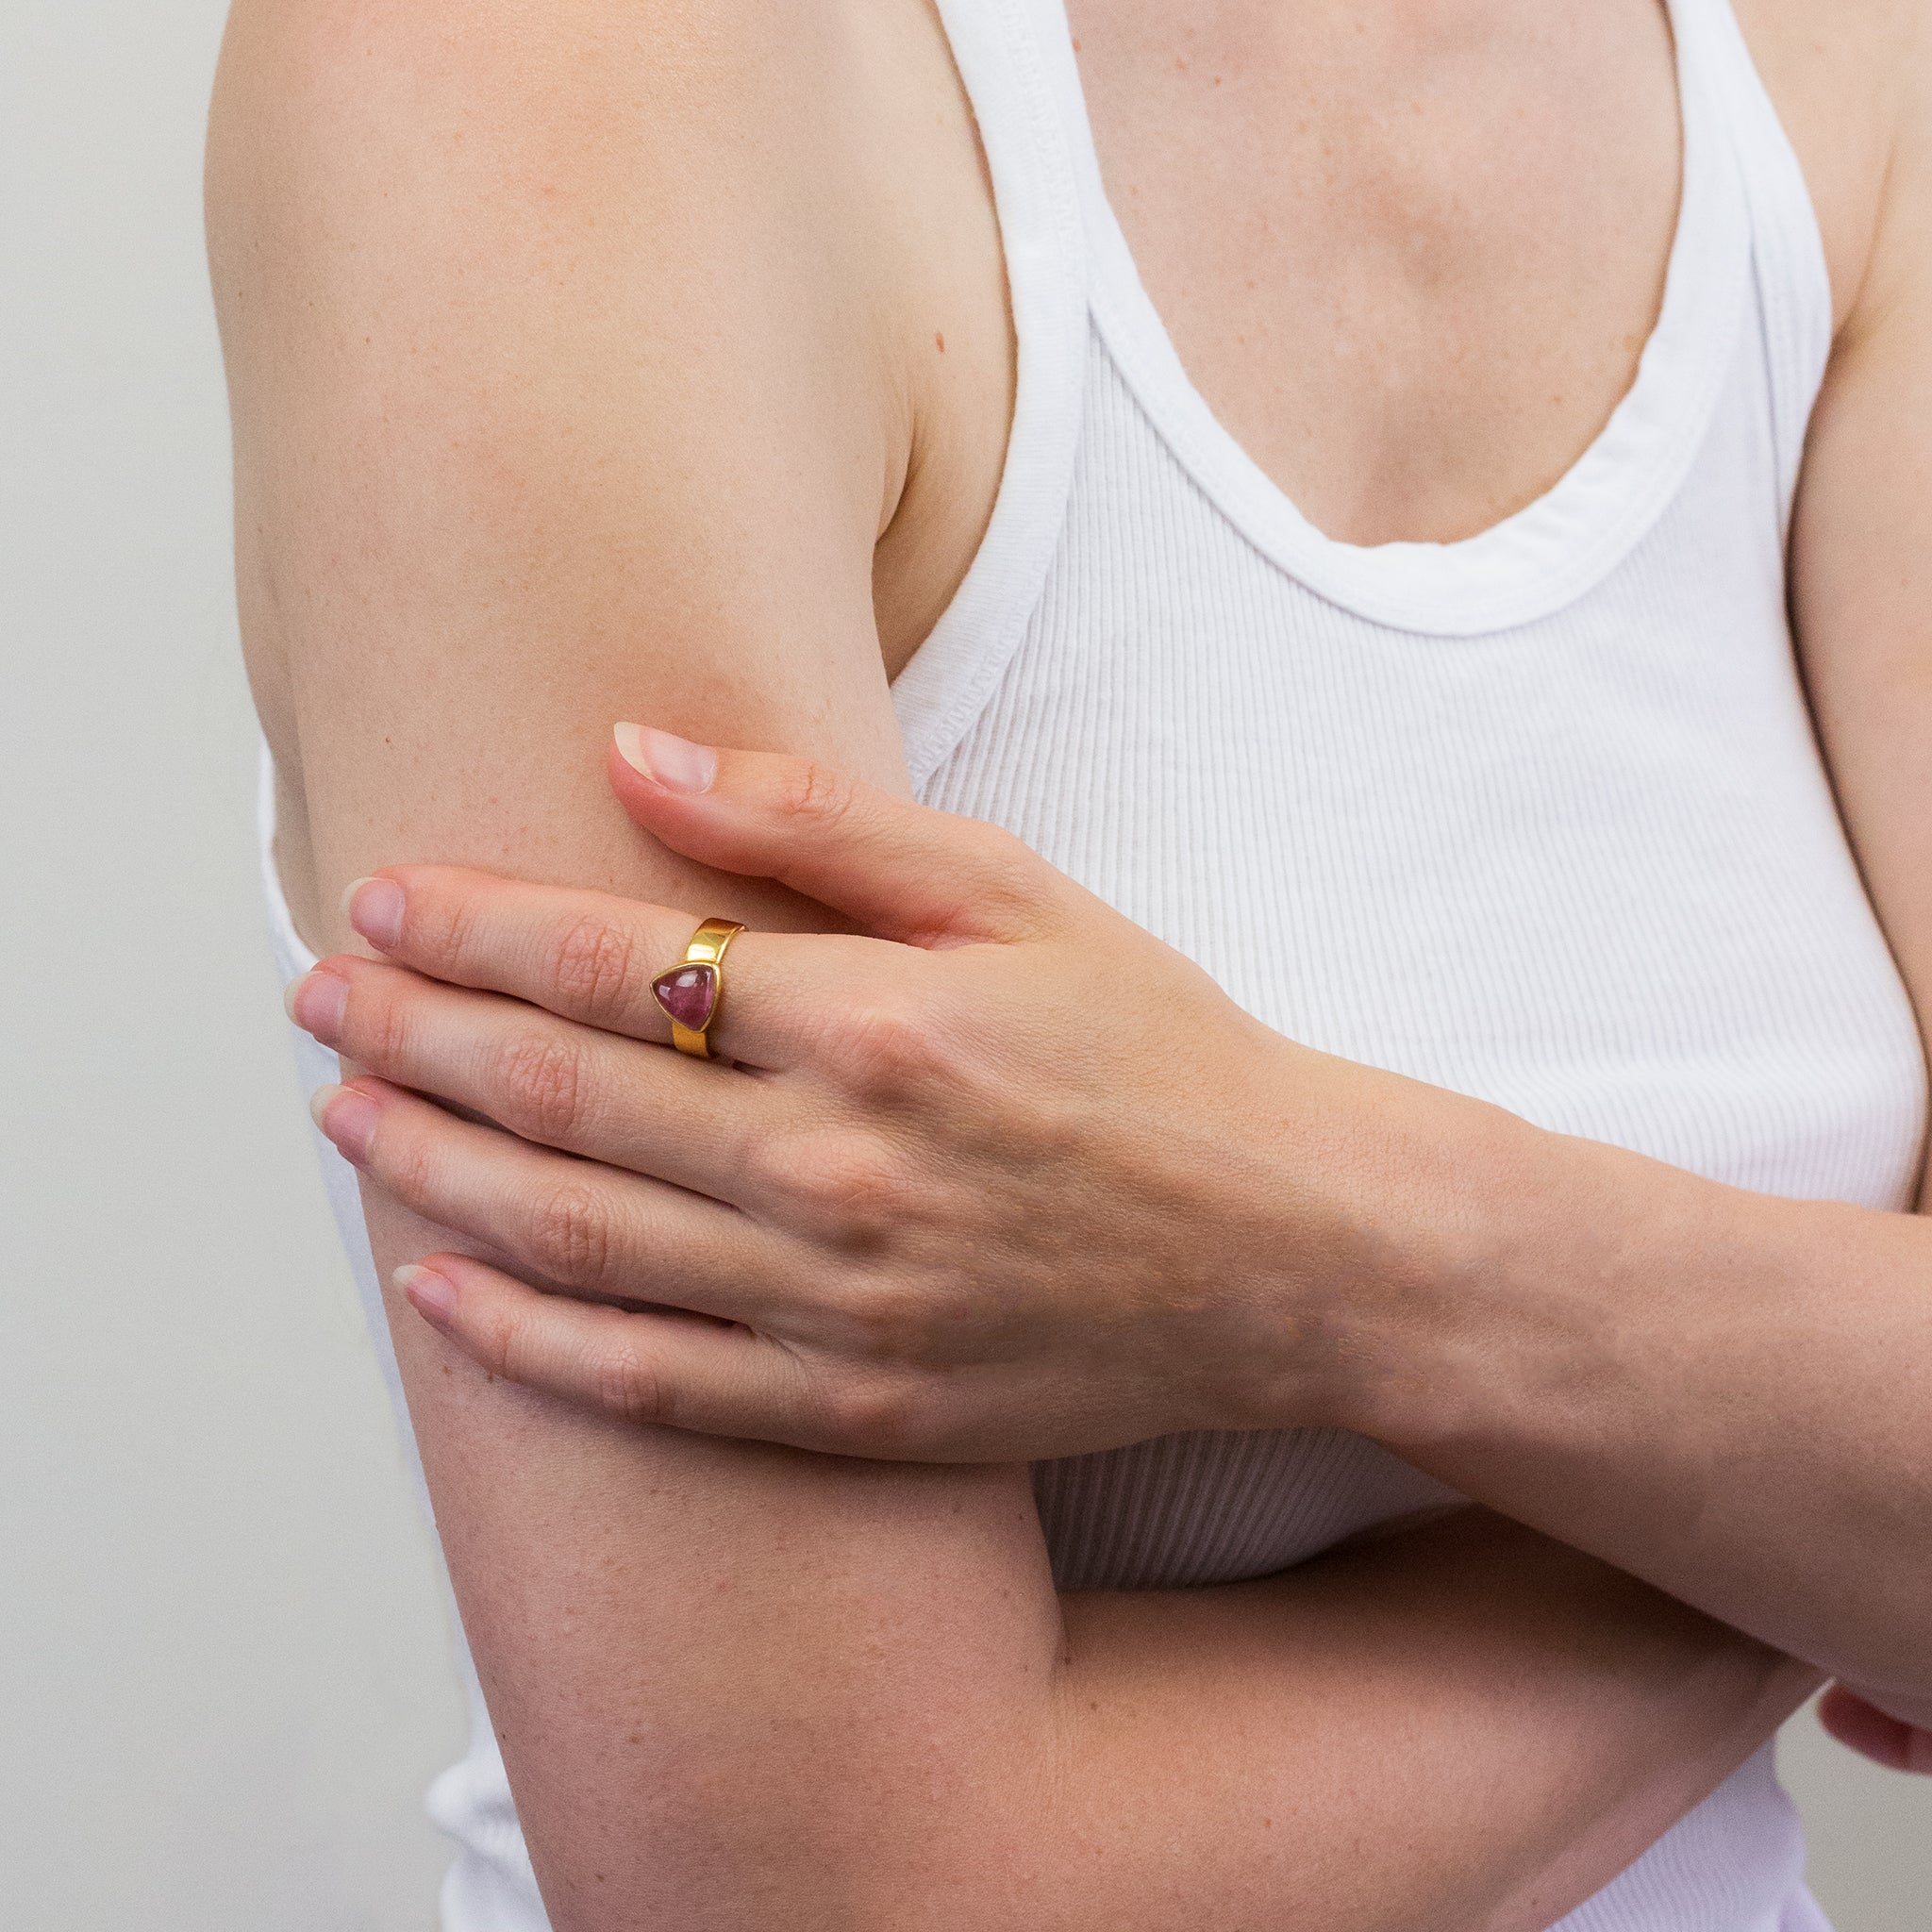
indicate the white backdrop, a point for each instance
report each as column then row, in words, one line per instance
column 224, row 1666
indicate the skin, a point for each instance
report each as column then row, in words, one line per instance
column 1372, row 1253
column 545, row 405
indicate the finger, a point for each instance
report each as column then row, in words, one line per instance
column 548, row 1080
column 579, row 1226
column 646, row 1369
column 1873, row 1733
column 592, row 958
column 902, row 870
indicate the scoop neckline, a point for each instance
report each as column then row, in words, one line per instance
column 1542, row 557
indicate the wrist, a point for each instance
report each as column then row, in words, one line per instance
column 1401, row 1255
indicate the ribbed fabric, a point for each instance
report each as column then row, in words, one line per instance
column 1537, row 816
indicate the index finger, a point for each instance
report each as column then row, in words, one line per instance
column 591, row 956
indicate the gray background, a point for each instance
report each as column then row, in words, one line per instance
column 225, row 1665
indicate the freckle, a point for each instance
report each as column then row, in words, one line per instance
column 939, row 342
column 1180, row 66
column 1216, row 80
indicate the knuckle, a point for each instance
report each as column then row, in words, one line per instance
column 508, row 1343
column 851, row 1190
column 889, row 1045
column 996, row 847
column 401, row 1160
column 811, row 794
column 1018, row 867
column 442, row 925
column 377, row 1022
column 1010, row 880
column 623, row 1382
column 540, row 1085
column 879, row 1414
column 592, row 968
column 569, row 1235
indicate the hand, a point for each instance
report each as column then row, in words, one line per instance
column 1012, row 1179
column 1860, row 1724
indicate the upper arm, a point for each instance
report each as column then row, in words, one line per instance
column 553, row 403
column 1862, row 543
column 560, row 398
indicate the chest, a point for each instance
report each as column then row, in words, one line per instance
column 1409, row 254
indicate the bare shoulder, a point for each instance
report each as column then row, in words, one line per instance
column 645, row 289
column 1849, row 79
column 586, row 80
column 568, row 354
column 491, row 144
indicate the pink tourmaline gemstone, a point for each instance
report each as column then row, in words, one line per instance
column 688, row 993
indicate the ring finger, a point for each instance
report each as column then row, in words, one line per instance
column 594, row 957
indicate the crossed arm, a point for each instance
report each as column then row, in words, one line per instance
column 529, row 436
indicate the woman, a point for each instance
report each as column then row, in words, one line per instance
column 1358, row 558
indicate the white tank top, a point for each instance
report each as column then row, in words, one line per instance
column 1537, row 816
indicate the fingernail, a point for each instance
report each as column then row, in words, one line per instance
column 347, row 1118
column 675, row 763
column 317, row 1002
column 432, row 1295
column 374, row 909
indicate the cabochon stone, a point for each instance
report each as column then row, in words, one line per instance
column 688, row 993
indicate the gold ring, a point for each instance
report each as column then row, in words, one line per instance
column 690, row 991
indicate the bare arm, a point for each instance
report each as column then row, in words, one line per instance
column 1862, row 603
column 560, row 386
column 1862, row 552
column 1744, row 1419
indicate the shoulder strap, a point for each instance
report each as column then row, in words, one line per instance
column 1793, row 285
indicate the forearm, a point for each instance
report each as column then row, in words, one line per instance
column 743, row 1684
column 1467, row 1725
column 740, row 1686
column 1720, row 1391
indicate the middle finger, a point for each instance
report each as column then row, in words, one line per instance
column 571, row 1223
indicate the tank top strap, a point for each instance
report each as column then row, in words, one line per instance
column 1016, row 65
column 1746, row 269
column 1793, row 285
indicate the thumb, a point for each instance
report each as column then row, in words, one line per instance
column 904, row 871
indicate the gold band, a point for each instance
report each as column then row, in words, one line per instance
column 692, row 991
